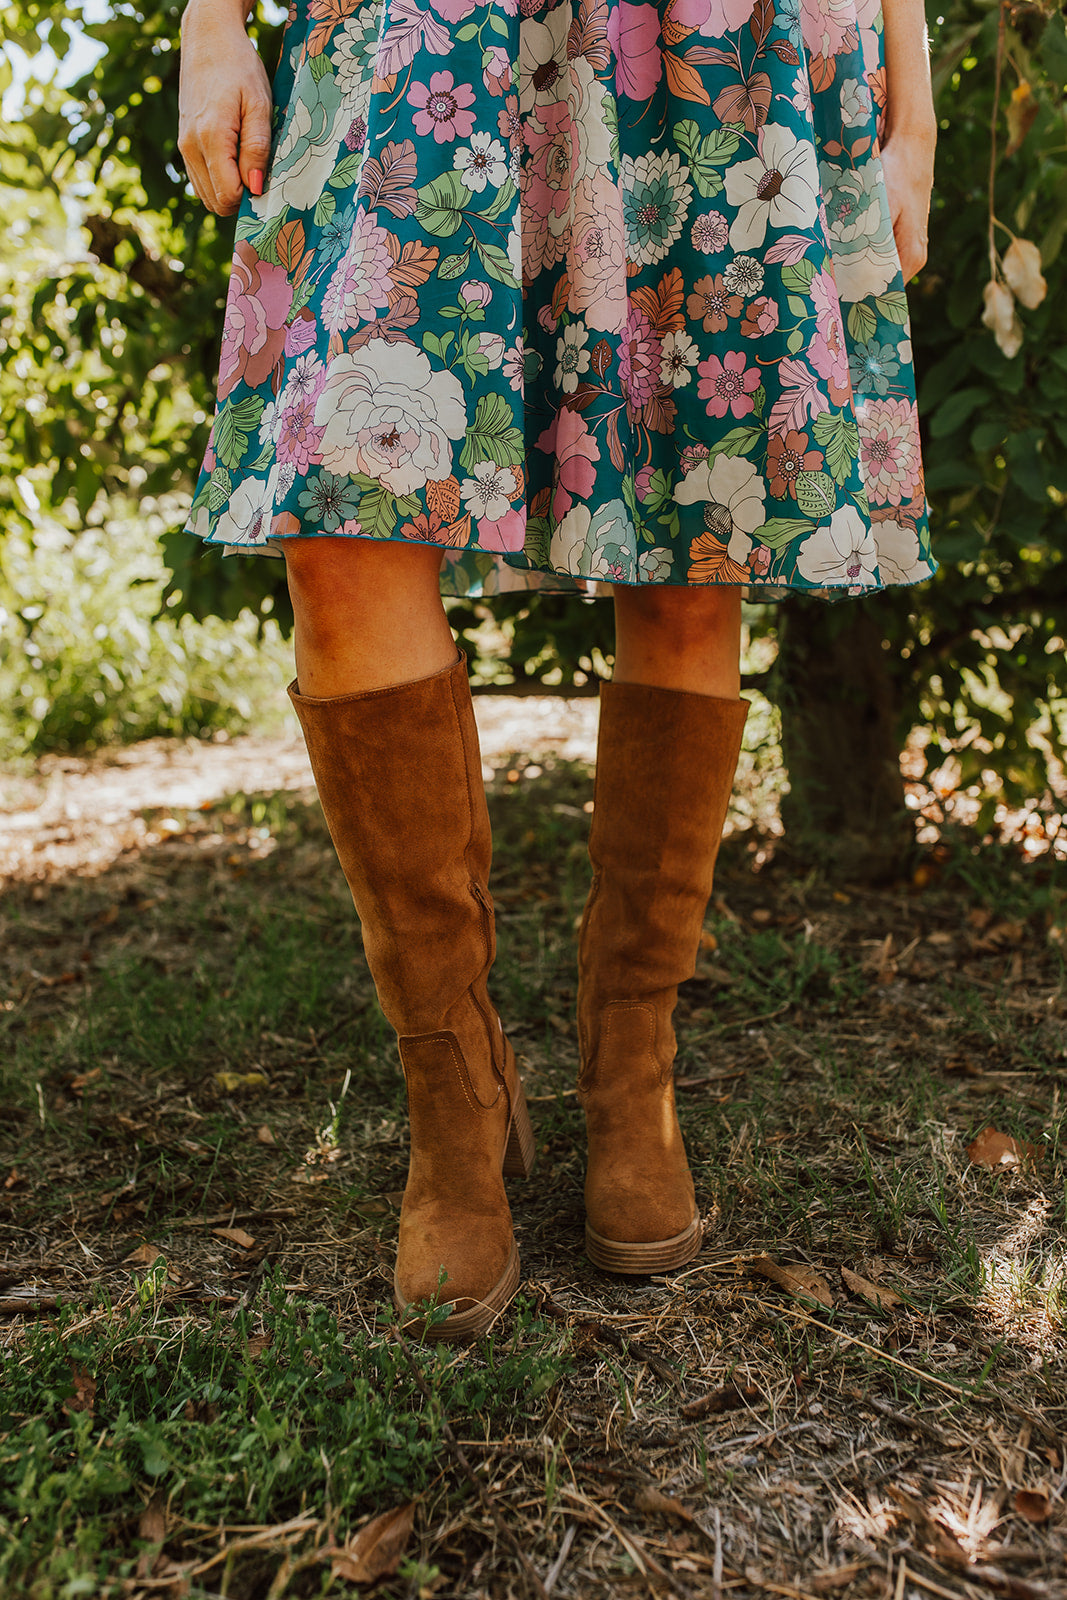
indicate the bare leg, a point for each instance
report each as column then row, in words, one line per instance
column 368, row 615
column 674, row 638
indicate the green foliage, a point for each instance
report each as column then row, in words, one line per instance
column 87, row 657
column 254, row 1419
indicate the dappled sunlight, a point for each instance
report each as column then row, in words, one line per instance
column 1023, row 1288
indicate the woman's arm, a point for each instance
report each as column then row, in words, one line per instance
column 224, row 104
column 911, row 129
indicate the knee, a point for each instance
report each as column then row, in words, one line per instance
column 328, row 576
column 686, row 615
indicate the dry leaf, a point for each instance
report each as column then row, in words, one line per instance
column 649, row 1498
column 152, row 1528
column 1033, row 1505
column 801, row 1281
column 13, row 1177
column 993, row 1150
column 143, row 1256
column 1022, row 268
column 1022, row 109
column 377, row 1548
column 84, row 1396
column 1001, row 316
column 728, row 1398
column 229, row 1081
column 264, row 1135
column 884, row 1299
column 235, row 1236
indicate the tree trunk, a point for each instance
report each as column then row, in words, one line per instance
column 845, row 809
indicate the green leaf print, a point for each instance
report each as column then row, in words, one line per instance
column 440, row 204
column 497, row 263
column 781, row 531
column 862, row 321
column 320, row 65
column 738, row 442
column 454, row 266
column 797, row 276
column 538, row 539
column 493, row 436
column 265, row 237
column 475, row 363
column 893, row 306
column 840, row 440
column 219, row 489
column 324, row 210
column 468, row 31
column 505, row 195
column 498, row 24
column 816, row 495
column 346, row 171
column 232, row 427
column 705, row 155
column 380, row 511
column 437, row 344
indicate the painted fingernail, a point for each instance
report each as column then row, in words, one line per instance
column 255, row 181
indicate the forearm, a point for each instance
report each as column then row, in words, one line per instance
column 237, row 11
column 910, row 105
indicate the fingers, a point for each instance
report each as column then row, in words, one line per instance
column 224, row 103
column 255, row 140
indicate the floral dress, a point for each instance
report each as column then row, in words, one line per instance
column 585, row 293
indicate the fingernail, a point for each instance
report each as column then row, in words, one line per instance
column 255, row 181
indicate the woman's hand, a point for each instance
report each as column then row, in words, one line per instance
column 224, row 105
column 908, row 165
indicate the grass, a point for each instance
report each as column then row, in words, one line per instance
column 202, row 1149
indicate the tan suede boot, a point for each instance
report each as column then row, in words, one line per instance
column 665, row 769
column 400, row 780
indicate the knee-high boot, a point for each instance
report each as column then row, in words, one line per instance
column 665, row 768
column 399, row 777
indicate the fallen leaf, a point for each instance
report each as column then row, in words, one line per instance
column 84, row 1396
column 992, row 1150
column 13, row 1177
column 264, row 1135
column 79, row 1083
column 152, row 1528
column 1033, row 1505
column 143, row 1256
column 235, row 1236
column 377, row 1548
column 728, row 1398
column 229, row 1081
column 801, row 1281
column 649, row 1498
column 884, row 1299
column 256, row 1345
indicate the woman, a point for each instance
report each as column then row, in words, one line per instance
column 549, row 296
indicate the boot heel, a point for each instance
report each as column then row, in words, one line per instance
column 521, row 1147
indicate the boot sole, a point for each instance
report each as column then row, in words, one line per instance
column 463, row 1326
column 658, row 1255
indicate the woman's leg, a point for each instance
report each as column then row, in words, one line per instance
column 386, row 710
column 674, row 638
column 670, row 731
column 368, row 615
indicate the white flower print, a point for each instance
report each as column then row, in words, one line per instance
column 385, row 412
column 247, row 517
column 855, row 102
column 736, row 490
column 487, row 494
column 744, row 276
column 572, row 358
column 841, row 552
column 680, row 355
column 302, row 380
column 543, row 58
column 899, row 558
column 483, row 161
column 779, row 188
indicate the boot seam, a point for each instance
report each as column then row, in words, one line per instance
column 444, row 1036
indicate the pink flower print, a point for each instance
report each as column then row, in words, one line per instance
column 253, row 334
column 712, row 17
column 546, row 319
column 509, row 123
column 496, row 71
column 475, row 292
column 300, row 335
column 889, row 450
column 441, row 108
column 514, row 367
column 759, row 560
column 362, row 279
column 640, row 359
column 643, row 482
column 598, row 255
column 453, row 10
column 298, row 438
column 827, row 352
column 710, row 233
column 633, row 33
column 761, row 317
column 828, row 27
column 569, row 440
column 728, row 385
column 356, row 136
column 552, row 141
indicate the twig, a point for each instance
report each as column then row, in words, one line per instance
column 716, row 1571
column 489, row 1506
column 564, row 1551
column 928, row 1583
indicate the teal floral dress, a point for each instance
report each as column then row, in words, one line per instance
column 589, row 293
